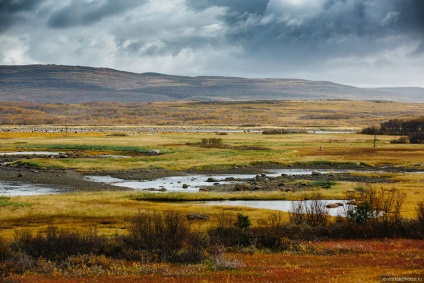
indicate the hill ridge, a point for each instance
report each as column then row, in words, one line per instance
column 78, row 84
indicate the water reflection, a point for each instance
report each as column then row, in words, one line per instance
column 279, row 205
column 25, row 189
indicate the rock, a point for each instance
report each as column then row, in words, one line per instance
column 197, row 216
column 230, row 179
column 212, row 180
column 257, row 188
column 163, row 190
column 316, row 173
column 351, row 202
column 185, row 186
column 340, row 203
column 288, row 190
column 332, row 205
column 281, row 184
column 153, row 152
column 242, row 187
column 20, row 175
column 203, row 190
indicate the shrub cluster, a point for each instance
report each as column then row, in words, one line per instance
column 413, row 129
column 168, row 237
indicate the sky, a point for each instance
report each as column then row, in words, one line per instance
column 365, row 43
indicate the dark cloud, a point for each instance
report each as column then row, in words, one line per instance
column 81, row 12
column 339, row 28
column 11, row 11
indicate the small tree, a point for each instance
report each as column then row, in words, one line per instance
column 242, row 221
column 361, row 214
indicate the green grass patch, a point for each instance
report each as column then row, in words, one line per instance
column 6, row 202
column 324, row 184
column 87, row 147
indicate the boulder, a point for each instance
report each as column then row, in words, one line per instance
column 332, row 205
column 153, row 152
column 212, row 180
column 316, row 173
column 185, row 186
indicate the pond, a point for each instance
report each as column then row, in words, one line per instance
column 25, row 189
column 278, row 205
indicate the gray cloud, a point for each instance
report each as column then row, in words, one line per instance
column 83, row 12
column 348, row 41
column 11, row 11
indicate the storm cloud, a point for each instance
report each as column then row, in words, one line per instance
column 358, row 42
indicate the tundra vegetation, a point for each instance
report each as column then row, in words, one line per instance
column 129, row 236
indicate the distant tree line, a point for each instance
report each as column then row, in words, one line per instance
column 413, row 129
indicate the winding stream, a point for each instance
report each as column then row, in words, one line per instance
column 193, row 183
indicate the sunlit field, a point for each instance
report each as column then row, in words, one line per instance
column 320, row 259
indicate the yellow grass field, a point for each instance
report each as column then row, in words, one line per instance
column 108, row 211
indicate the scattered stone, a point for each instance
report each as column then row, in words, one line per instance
column 242, row 187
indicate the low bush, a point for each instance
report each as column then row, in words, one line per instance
column 58, row 244
column 212, row 143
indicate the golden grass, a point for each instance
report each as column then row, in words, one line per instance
column 107, row 210
column 181, row 153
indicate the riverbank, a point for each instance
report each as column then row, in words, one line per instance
column 69, row 180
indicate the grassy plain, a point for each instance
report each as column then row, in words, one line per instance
column 180, row 152
column 109, row 211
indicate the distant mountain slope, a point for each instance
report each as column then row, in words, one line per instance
column 75, row 84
